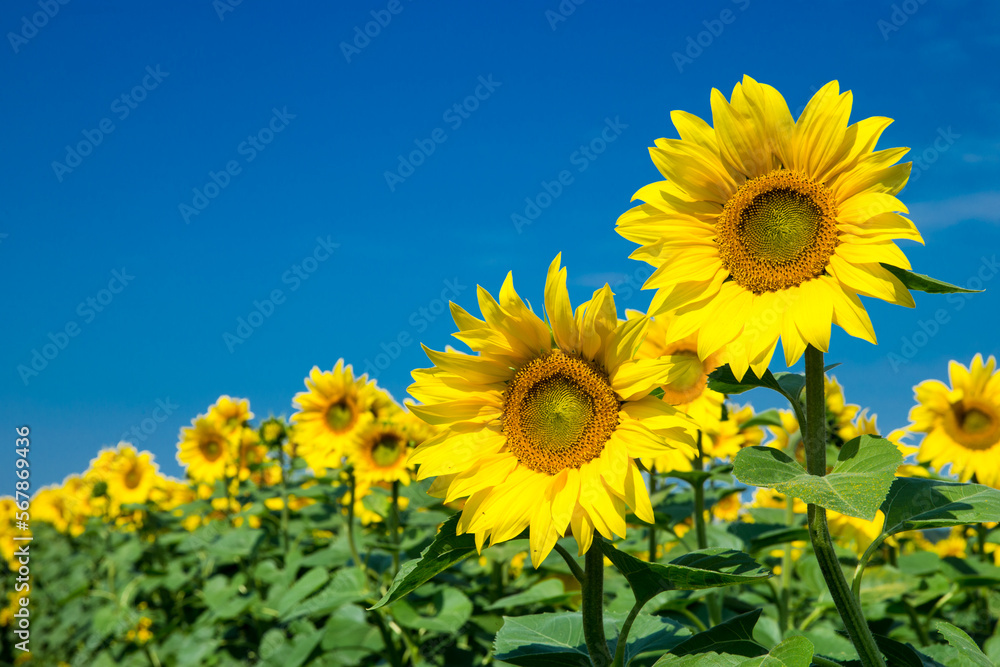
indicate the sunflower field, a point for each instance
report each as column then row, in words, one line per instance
column 577, row 485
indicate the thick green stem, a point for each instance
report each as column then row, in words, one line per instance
column 574, row 567
column 619, row 660
column 284, row 499
column 350, row 521
column 593, row 606
column 819, row 533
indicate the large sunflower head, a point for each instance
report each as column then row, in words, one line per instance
column 205, row 450
column 962, row 422
column 331, row 415
column 542, row 426
column 769, row 228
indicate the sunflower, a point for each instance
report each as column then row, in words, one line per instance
column 767, row 228
column 381, row 452
column 331, row 415
column 962, row 422
column 205, row 450
column 231, row 413
column 132, row 477
column 542, row 425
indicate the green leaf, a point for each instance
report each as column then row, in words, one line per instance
column 446, row 550
column 766, row 418
column 922, row 283
column 306, row 585
column 732, row 636
column 541, row 640
column 700, row 660
column 548, row 591
column 960, row 640
column 235, row 544
column 707, row 568
column 856, row 487
column 903, row 655
column 648, row 633
column 350, row 637
column 346, row 585
column 793, row 652
column 447, row 612
column 724, row 381
column 914, row 504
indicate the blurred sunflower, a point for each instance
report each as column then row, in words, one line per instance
column 231, row 413
column 767, row 228
column 205, row 450
column 381, row 453
column 132, row 476
column 543, row 425
column 331, row 415
column 962, row 422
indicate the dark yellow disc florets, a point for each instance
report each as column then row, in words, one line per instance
column 973, row 424
column 778, row 231
column 559, row 412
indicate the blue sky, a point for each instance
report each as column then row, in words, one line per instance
column 168, row 170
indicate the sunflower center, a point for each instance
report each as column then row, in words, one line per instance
column 340, row 415
column 778, row 231
column 132, row 478
column 211, row 449
column 973, row 425
column 386, row 451
column 559, row 412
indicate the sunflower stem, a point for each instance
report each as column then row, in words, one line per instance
column 574, row 567
column 394, row 527
column 819, row 533
column 284, row 499
column 593, row 606
column 652, row 526
column 713, row 599
column 619, row 660
column 350, row 521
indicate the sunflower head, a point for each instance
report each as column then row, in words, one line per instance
column 542, row 425
column 232, row 414
column 331, row 415
column 961, row 422
column 205, row 450
column 769, row 228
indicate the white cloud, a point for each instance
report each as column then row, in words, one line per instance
column 982, row 206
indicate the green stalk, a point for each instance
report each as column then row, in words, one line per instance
column 593, row 606
column 652, row 526
column 350, row 521
column 394, row 527
column 619, row 660
column 284, row 499
column 713, row 599
column 819, row 533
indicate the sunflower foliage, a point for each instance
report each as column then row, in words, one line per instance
column 576, row 488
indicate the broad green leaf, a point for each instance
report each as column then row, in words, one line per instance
column 856, row 487
column 305, row 586
column 649, row 633
column 346, row 585
column 732, row 636
column 446, row 550
column 541, row 640
column 700, row 660
column 792, row 652
column 724, row 381
column 707, row 568
column 791, row 384
column 350, row 637
column 766, row 418
column 922, row 283
column 914, row 504
column 548, row 591
column 445, row 612
column 236, row 543
column 903, row 655
column 960, row 640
